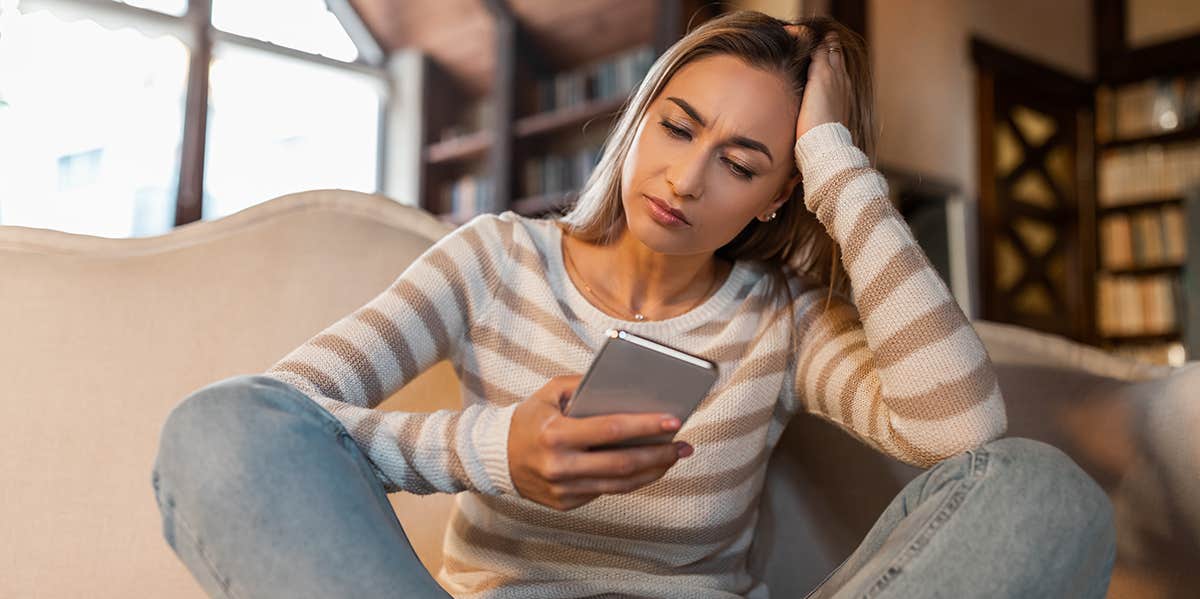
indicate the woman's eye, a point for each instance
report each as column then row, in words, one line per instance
column 675, row 131
column 740, row 171
column 681, row 133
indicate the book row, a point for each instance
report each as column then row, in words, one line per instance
column 601, row 80
column 612, row 77
column 1130, row 175
column 1147, row 107
column 1133, row 305
column 1150, row 236
column 559, row 171
column 467, row 196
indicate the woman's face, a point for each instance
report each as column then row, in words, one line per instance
column 716, row 145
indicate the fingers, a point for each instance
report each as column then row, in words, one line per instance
column 618, row 463
column 599, row 486
column 560, row 388
column 580, row 433
column 829, row 51
column 833, row 50
column 797, row 31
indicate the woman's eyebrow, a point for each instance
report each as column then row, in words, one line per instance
column 739, row 140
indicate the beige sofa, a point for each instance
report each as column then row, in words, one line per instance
column 100, row 338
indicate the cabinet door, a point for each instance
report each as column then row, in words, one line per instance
column 1036, row 226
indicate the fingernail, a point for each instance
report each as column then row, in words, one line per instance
column 670, row 424
column 683, row 449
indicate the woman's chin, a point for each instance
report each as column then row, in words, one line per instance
column 661, row 240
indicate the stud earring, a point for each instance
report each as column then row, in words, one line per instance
column 769, row 218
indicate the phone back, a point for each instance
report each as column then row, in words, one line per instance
column 635, row 375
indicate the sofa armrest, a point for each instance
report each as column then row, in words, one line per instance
column 1012, row 344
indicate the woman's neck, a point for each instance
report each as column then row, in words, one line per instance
column 638, row 279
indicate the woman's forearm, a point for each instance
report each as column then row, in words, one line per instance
column 914, row 375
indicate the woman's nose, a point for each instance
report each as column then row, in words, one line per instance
column 686, row 175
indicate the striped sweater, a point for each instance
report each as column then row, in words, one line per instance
column 901, row 369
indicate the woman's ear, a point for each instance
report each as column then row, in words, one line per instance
column 786, row 191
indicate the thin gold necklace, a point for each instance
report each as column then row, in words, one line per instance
column 638, row 316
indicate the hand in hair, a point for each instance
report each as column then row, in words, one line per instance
column 827, row 93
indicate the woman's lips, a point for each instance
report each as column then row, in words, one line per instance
column 664, row 214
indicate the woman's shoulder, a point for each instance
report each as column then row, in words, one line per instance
column 504, row 228
column 505, row 237
column 508, row 222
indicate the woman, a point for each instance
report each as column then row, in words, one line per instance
column 706, row 225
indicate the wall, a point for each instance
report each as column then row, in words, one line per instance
column 1151, row 21
column 780, row 9
column 924, row 78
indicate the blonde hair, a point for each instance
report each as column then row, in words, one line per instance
column 795, row 241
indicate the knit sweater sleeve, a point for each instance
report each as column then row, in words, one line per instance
column 357, row 362
column 901, row 367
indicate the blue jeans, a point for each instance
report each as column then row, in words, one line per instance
column 264, row 494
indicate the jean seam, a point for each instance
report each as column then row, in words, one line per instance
column 177, row 518
column 828, row 576
column 976, row 469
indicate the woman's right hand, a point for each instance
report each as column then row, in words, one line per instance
column 827, row 94
column 548, row 455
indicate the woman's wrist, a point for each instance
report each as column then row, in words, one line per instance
column 821, row 153
column 819, row 140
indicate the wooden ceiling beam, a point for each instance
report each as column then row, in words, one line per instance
column 460, row 35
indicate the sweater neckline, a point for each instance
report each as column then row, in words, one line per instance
column 704, row 312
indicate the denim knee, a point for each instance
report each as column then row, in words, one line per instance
column 1073, row 499
column 245, row 393
column 230, row 409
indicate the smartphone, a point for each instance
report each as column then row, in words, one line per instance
column 632, row 374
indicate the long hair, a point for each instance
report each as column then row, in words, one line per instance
column 795, row 242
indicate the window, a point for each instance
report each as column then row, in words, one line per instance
column 79, row 170
column 95, row 148
column 309, row 26
column 277, row 125
column 171, row 7
column 93, row 100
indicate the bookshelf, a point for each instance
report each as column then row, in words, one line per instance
column 1087, row 194
column 1147, row 166
column 1148, row 176
column 527, row 139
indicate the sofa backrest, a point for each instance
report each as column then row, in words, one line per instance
column 102, row 337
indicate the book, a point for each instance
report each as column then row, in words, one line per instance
column 1174, row 237
column 1115, row 242
column 1147, row 231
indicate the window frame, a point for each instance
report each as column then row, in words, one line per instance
column 196, row 30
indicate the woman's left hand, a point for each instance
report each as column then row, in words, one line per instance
column 827, row 92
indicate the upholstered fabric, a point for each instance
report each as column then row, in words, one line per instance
column 102, row 337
